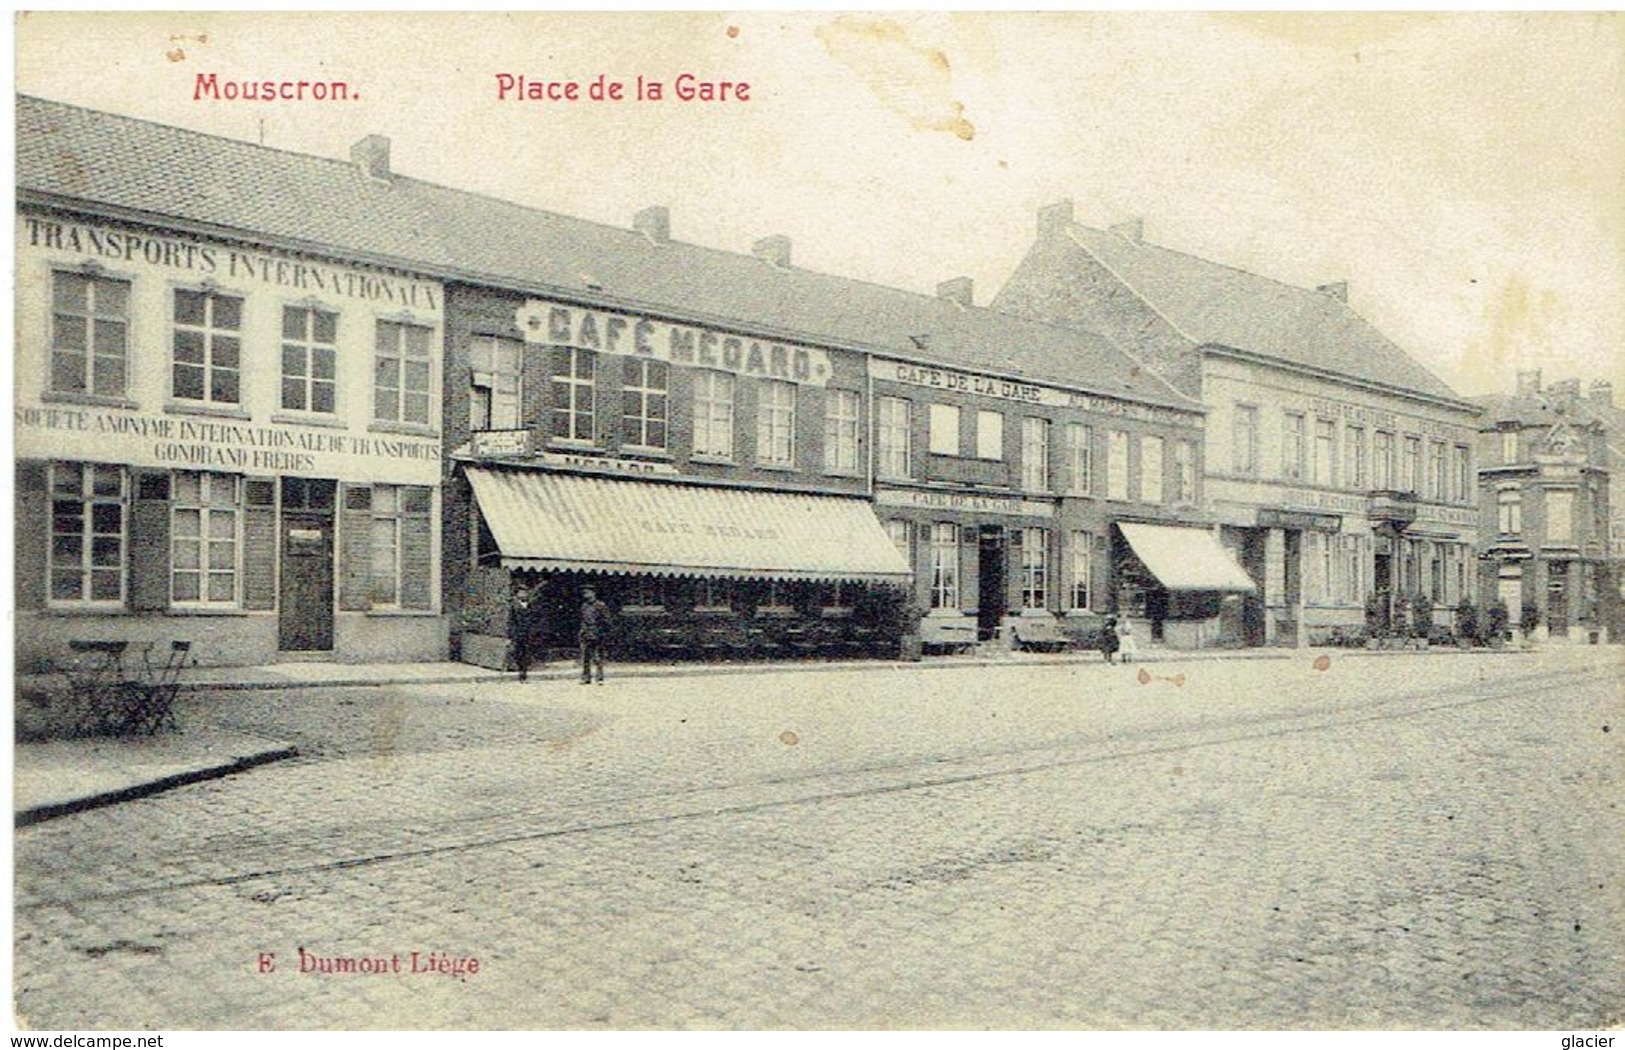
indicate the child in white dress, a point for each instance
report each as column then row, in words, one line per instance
column 1126, row 649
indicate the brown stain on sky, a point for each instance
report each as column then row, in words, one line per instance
column 1518, row 319
column 913, row 82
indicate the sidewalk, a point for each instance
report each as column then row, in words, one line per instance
column 58, row 777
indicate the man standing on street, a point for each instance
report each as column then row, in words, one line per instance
column 522, row 625
column 594, row 626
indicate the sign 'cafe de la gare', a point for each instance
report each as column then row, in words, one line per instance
column 218, row 440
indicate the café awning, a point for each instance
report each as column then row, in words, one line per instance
column 1186, row 559
column 543, row 520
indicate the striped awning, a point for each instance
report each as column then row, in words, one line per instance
column 1186, row 559
column 545, row 520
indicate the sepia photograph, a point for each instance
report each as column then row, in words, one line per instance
column 797, row 520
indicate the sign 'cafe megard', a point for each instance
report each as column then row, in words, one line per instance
column 556, row 324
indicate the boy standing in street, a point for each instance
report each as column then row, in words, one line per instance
column 594, row 626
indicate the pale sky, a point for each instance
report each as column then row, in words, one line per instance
column 1464, row 172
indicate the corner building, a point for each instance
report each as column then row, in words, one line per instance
column 1340, row 471
column 226, row 426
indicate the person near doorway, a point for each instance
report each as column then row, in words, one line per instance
column 522, row 615
column 1126, row 647
column 1109, row 642
column 594, row 629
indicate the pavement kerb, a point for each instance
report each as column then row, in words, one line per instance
column 141, row 789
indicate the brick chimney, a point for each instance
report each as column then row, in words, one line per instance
column 1563, row 392
column 959, row 290
column 371, row 155
column 654, row 222
column 1601, row 393
column 1338, row 290
column 1132, row 230
column 1528, row 383
column 774, row 250
column 1054, row 218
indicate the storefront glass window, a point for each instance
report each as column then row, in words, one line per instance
column 713, row 414
column 204, row 538
column 944, row 565
column 1034, row 568
column 207, row 347
column 88, row 533
column 90, row 326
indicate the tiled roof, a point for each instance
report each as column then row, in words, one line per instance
column 98, row 161
column 1215, row 304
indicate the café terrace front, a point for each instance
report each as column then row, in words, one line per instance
column 689, row 571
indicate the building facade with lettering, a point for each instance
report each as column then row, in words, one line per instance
column 226, row 428
column 1341, row 471
column 1545, row 458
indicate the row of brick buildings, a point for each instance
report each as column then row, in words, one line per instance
column 301, row 408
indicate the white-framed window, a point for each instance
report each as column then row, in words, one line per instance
column 1185, row 472
column 1410, row 464
column 495, row 366
column 1325, row 465
column 989, row 434
column 644, row 403
column 1382, row 461
column 1034, row 568
column 944, row 565
column 1244, row 439
column 713, row 414
column 205, row 548
column 400, row 516
column 776, row 424
column 901, row 535
column 1464, row 474
column 1559, row 515
column 1436, row 571
column 1328, row 566
column 208, row 347
column 1117, row 465
column 1509, row 507
column 840, row 431
column 89, row 534
column 401, row 373
column 1292, row 445
column 1035, row 454
column 1354, row 457
column 944, row 429
column 1082, row 567
column 1354, row 568
column 894, row 437
column 310, row 359
column 1151, row 477
column 90, row 334
column 575, row 383
column 1438, row 483
column 1509, row 446
column 1079, row 465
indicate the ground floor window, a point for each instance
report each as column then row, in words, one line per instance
column 205, row 538
column 944, row 565
column 89, row 533
column 1034, row 568
column 400, row 536
column 1082, row 567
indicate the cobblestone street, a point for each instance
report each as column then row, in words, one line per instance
column 1427, row 841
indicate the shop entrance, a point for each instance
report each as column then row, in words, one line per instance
column 305, row 606
column 990, row 589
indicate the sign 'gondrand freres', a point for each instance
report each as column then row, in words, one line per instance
column 632, row 335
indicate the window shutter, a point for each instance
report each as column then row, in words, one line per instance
column 355, row 549
column 33, row 524
column 149, row 541
column 416, row 559
column 259, row 543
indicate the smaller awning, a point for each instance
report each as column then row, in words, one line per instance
column 546, row 520
column 1186, row 559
